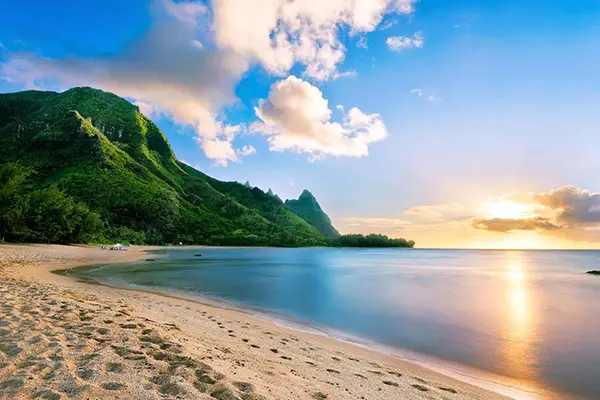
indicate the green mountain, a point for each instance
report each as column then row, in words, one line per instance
column 86, row 165
column 308, row 208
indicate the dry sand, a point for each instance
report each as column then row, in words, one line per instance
column 62, row 338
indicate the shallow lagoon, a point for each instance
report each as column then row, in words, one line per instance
column 529, row 315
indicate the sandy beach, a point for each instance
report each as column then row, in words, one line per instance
column 64, row 338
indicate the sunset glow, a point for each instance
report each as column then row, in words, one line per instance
column 508, row 209
column 406, row 118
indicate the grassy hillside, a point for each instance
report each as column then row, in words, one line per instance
column 108, row 160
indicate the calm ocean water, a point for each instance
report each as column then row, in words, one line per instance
column 529, row 315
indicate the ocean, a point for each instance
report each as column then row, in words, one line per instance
column 524, row 319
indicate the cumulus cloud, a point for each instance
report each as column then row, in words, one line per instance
column 279, row 33
column 188, row 63
column 161, row 72
column 417, row 92
column 575, row 206
column 296, row 117
column 219, row 150
column 399, row 43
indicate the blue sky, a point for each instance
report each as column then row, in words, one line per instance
column 499, row 99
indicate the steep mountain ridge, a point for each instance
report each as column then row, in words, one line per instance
column 101, row 151
column 307, row 207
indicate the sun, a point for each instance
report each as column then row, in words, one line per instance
column 508, row 210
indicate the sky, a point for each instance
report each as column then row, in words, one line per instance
column 464, row 123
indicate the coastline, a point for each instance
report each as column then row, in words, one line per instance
column 253, row 357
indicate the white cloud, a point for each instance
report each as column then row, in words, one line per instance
column 296, row 117
column 388, row 24
column 362, row 42
column 399, row 43
column 405, row 6
column 246, row 150
column 417, row 91
column 197, row 44
column 161, row 72
column 145, row 108
column 187, row 12
column 433, row 98
column 187, row 65
column 279, row 33
column 219, row 150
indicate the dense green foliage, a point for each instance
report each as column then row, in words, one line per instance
column 308, row 208
column 86, row 166
column 44, row 215
column 372, row 240
column 98, row 151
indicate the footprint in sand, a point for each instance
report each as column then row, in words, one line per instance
column 375, row 372
column 446, row 389
column 421, row 388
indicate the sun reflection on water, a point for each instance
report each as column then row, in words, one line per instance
column 518, row 351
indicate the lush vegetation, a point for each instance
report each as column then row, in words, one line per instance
column 86, row 166
column 372, row 240
column 308, row 208
column 43, row 215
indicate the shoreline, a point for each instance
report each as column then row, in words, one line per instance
column 486, row 380
column 267, row 372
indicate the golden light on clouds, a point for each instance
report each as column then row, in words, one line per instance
column 563, row 218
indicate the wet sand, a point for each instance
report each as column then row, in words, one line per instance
column 63, row 338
